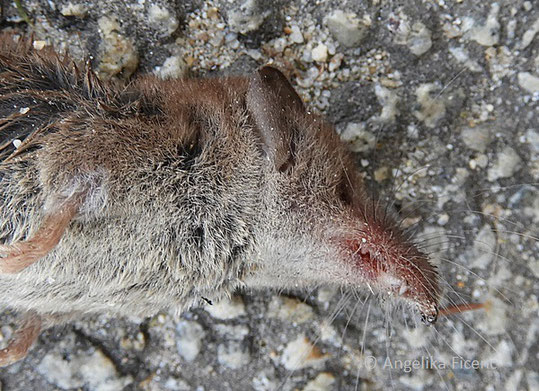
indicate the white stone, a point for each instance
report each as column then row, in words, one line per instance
column 174, row 384
column 290, row 309
column 489, row 33
column 38, row 45
column 118, row 52
column 506, row 164
column 108, row 24
column 320, row 53
column 226, row 309
column 328, row 333
column 232, row 332
column 442, row 219
column 301, row 353
column 419, row 41
column 335, row 62
column 322, row 382
column 162, row 19
column 528, row 82
column 477, row 138
column 432, row 109
column 233, row 355
column 347, row 29
column 461, row 55
column 358, row 138
column 529, row 34
column 247, row 17
column 495, row 319
column 173, row 68
column 262, row 382
column 60, row 372
column 189, row 341
column 296, row 36
column 389, row 101
column 71, row 9
column 94, row 371
column 532, row 138
column 381, row 174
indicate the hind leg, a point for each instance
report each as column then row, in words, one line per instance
column 22, row 340
column 19, row 255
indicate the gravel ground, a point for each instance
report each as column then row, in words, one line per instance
column 439, row 99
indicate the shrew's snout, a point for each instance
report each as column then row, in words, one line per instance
column 397, row 269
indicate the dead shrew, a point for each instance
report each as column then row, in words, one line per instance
column 137, row 199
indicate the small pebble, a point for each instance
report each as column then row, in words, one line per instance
column 443, row 219
column 432, row 109
column 118, row 52
column 358, row 138
column 162, row 19
column 92, row 370
column 233, row 355
column 506, row 164
column 346, row 28
column 381, row 174
column 419, row 41
column 301, row 353
column 529, row 34
column 226, row 309
column 71, row 9
column 38, row 45
column 189, row 341
column 322, row 382
column 232, row 332
column 173, row 68
column 477, row 138
column 320, row 53
column 248, row 16
column 295, row 35
column 528, row 82
column 389, row 101
column 176, row 384
column 290, row 309
column 488, row 34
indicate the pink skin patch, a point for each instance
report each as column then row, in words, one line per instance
column 396, row 268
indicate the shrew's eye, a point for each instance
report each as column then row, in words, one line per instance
column 289, row 163
column 345, row 192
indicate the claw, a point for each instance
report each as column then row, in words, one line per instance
column 429, row 316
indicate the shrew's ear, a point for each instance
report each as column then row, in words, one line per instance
column 272, row 100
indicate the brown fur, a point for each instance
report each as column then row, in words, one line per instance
column 181, row 189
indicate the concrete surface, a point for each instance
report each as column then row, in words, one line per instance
column 440, row 101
